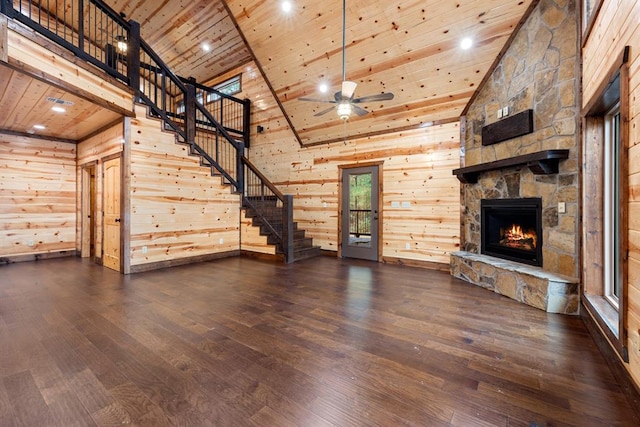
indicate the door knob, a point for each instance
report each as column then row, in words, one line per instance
column 117, row 219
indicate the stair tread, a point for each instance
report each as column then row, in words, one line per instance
column 307, row 253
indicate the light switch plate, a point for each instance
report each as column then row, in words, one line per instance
column 562, row 207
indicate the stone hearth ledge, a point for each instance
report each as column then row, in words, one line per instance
column 553, row 293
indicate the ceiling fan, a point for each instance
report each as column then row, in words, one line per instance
column 344, row 100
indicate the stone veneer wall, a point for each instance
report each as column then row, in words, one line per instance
column 539, row 71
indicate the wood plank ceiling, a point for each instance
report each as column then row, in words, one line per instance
column 408, row 48
column 177, row 30
column 26, row 103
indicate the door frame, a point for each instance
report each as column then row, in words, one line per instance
column 88, row 208
column 103, row 160
column 379, row 165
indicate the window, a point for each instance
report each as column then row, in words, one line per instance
column 228, row 87
column 612, row 206
column 590, row 9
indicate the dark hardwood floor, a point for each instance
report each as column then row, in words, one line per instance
column 321, row 342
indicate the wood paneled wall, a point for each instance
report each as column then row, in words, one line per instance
column 37, row 196
column 93, row 151
column 178, row 210
column 617, row 25
column 417, row 167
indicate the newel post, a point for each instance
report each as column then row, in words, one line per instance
column 287, row 229
column 246, row 122
column 133, row 58
column 240, row 167
column 190, row 112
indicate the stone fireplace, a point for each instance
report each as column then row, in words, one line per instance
column 535, row 79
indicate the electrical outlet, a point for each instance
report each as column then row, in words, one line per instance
column 407, row 245
column 505, row 111
column 144, row 249
column 499, row 114
column 30, row 243
column 395, row 204
column 324, row 204
column 221, row 241
column 406, row 204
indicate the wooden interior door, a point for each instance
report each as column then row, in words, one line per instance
column 111, row 227
column 360, row 212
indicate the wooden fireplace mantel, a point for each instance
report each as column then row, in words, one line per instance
column 540, row 163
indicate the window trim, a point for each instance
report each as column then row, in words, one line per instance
column 593, row 114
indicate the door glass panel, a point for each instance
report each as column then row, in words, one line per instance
column 360, row 210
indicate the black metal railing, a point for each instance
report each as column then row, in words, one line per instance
column 159, row 88
column 274, row 208
column 218, row 147
column 231, row 113
column 89, row 29
column 360, row 222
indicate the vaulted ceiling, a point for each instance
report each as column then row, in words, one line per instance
column 410, row 48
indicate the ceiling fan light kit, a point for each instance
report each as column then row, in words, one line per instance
column 344, row 100
column 344, row 110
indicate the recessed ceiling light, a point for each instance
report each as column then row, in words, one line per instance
column 287, row 6
column 466, row 43
column 39, row 127
column 59, row 109
column 206, row 47
column 323, row 87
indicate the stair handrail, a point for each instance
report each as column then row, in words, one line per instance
column 263, row 178
column 159, row 69
column 232, row 128
column 283, row 233
column 238, row 180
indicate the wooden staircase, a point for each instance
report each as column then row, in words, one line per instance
column 272, row 218
column 217, row 127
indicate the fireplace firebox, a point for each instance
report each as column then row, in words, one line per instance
column 512, row 229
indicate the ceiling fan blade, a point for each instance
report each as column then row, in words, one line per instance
column 316, row 100
column 323, row 112
column 348, row 89
column 359, row 110
column 379, row 97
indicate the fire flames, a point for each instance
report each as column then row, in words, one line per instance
column 516, row 237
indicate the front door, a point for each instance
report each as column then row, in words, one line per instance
column 112, row 191
column 359, row 220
